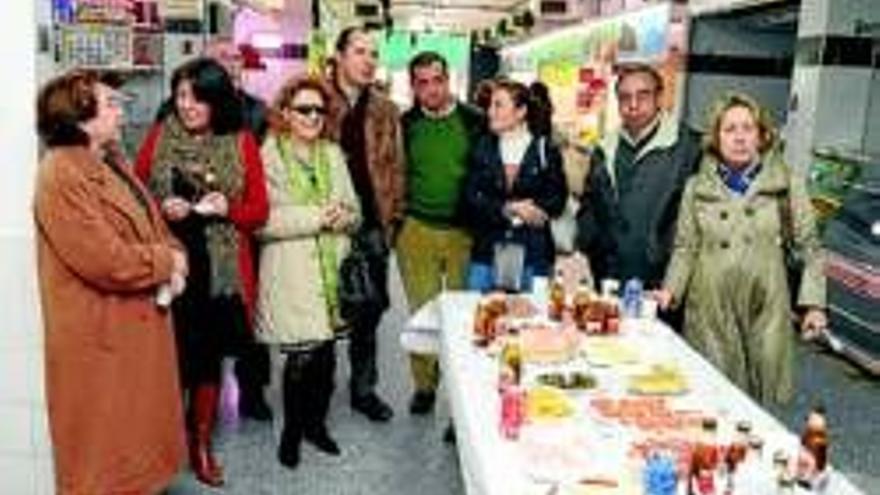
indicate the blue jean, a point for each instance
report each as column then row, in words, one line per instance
column 481, row 277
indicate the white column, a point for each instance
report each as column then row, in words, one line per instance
column 25, row 466
column 832, row 102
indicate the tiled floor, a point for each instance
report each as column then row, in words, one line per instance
column 407, row 455
column 404, row 456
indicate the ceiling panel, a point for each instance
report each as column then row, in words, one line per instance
column 421, row 15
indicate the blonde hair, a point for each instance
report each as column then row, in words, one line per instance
column 766, row 130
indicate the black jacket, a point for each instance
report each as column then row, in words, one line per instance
column 540, row 179
column 628, row 231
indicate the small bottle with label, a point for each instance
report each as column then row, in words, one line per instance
column 556, row 303
column 512, row 410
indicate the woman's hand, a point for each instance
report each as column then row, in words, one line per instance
column 179, row 264
column 336, row 217
column 814, row 323
column 529, row 212
column 663, row 298
column 213, row 204
column 176, row 209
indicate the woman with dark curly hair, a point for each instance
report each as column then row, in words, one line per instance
column 207, row 174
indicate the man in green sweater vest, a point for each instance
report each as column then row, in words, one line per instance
column 438, row 134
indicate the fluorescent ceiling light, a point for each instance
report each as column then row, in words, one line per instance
column 266, row 41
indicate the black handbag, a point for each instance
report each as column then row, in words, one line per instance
column 363, row 276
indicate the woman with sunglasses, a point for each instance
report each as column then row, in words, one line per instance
column 205, row 171
column 313, row 208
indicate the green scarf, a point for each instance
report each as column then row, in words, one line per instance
column 205, row 165
column 311, row 185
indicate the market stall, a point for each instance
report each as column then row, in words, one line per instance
column 602, row 413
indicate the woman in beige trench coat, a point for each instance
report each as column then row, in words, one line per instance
column 738, row 215
column 103, row 251
column 313, row 209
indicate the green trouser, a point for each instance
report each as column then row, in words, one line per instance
column 424, row 251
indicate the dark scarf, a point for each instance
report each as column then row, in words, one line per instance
column 190, row 168
column 738, row 181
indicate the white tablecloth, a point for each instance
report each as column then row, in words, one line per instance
column 491, row 465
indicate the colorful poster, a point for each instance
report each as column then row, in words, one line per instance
column 578, row 65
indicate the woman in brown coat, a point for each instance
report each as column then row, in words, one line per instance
column 103, row 256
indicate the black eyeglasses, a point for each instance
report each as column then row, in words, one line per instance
column 310, row 110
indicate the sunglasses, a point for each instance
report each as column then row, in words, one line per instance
column 310, row 110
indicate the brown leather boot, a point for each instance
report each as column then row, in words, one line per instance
column 203, row 413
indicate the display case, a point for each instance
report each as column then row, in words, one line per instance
column 125, row 37
column 845, row 187
column 108, row 35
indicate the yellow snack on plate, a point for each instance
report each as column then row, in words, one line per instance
column 605, row 351
column 543, row 402
column 661, row 379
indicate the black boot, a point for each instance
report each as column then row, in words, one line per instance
column 252, row 404
column 252, row 373
column 288, row 450
column 320, row 377
column 294, row 397
column 321, row 439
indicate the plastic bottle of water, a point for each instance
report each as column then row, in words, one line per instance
column 632, row 298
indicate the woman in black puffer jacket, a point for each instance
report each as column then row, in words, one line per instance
column 515, row 186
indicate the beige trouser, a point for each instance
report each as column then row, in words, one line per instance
column 424, row 252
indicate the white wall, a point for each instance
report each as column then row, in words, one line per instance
column 25, row 466
column 837, row 105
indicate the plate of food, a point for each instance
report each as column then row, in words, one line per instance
column 606, row 352
column 568, row 380
column 545, row 403
column 546, row 344
column 659, row 379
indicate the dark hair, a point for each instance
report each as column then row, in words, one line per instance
column 426, row 59
column 344, row 38
column 63, row 104
column 212, row 86
column 483, row 93
column 538, row 114
column 542, row 118
column 288, row 92
column 626, row 70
